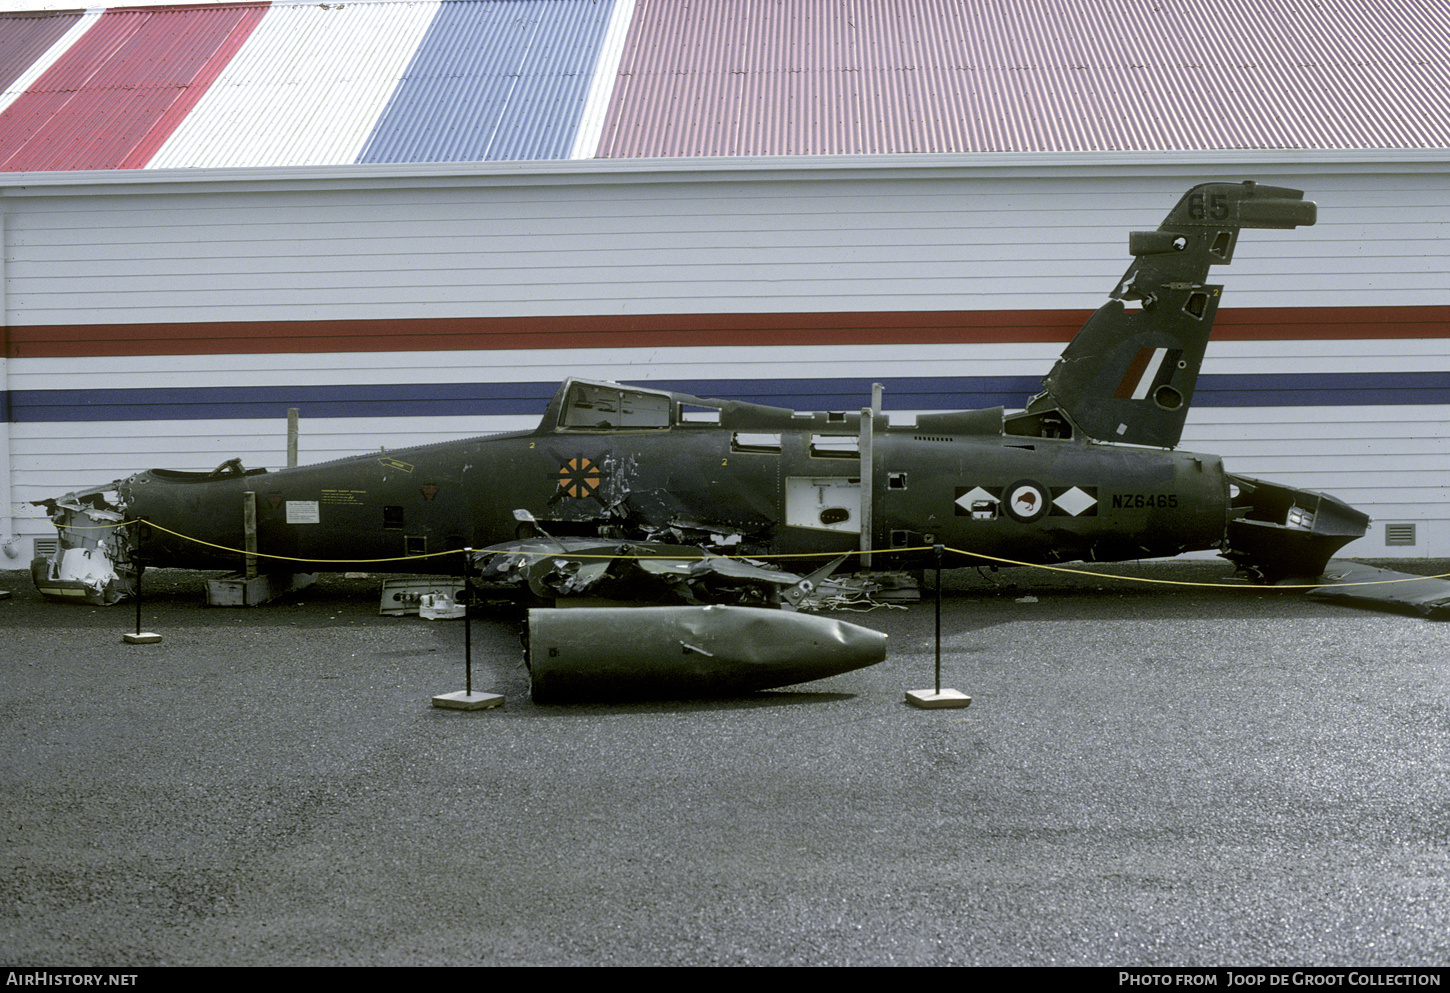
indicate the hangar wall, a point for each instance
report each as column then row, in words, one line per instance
column 171, row 318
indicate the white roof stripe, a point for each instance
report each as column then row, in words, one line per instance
column 305, row 89
column 601, row 90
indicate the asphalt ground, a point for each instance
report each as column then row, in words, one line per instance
column 1149, row 774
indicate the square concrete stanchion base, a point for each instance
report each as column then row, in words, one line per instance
column 462, row 700
column 932, row 700
column 141, row 638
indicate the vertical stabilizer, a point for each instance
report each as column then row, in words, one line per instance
column 1129, row 374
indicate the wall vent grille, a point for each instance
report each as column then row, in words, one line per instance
column 1399, row 534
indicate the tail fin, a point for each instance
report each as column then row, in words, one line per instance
column 1128, row 375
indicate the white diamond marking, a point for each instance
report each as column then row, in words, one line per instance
column 1075, row 501
column 970, row 497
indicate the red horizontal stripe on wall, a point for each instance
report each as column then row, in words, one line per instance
column 487, row 333
column 1305, row 323
column 684, row 330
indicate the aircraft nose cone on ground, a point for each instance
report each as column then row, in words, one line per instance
column 609, row 653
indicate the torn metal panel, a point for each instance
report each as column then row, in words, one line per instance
column 93, row 560
column 1361, row 585
column 652, row 572
column 1277, row 532
column 679, row 652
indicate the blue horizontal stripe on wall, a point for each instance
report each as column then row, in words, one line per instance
column 234, row 402
column 523, row 399
column 460, row 399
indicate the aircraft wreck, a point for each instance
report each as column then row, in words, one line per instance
column 628, row 492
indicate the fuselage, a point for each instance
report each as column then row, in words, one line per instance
column 758, row 479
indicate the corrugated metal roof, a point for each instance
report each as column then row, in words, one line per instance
column 25, row 38
column 755, row 77
column 494, row 81
column 27, row 33
column 305, row 89
column 306, row 83
column 109, row 100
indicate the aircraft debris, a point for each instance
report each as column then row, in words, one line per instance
column 1361, row 585
column 1277, row 533
column 92, row 563
column 405, row 596
column 656, row 572
column 440, row 607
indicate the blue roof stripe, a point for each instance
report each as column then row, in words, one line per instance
column 913, row 393
column 493, row 81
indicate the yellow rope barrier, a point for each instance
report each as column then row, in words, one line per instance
column 1111, row 575
column 784, row 555
column 1177, row 582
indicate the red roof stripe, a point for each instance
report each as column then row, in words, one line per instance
column 110, row 101
column 205, row 74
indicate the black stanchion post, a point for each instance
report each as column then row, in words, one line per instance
column 140, row 637
column 467, row 625
column 468, row 700
column 938, row 550
column 937, row 697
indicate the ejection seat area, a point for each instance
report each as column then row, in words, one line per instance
column 586, row 406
